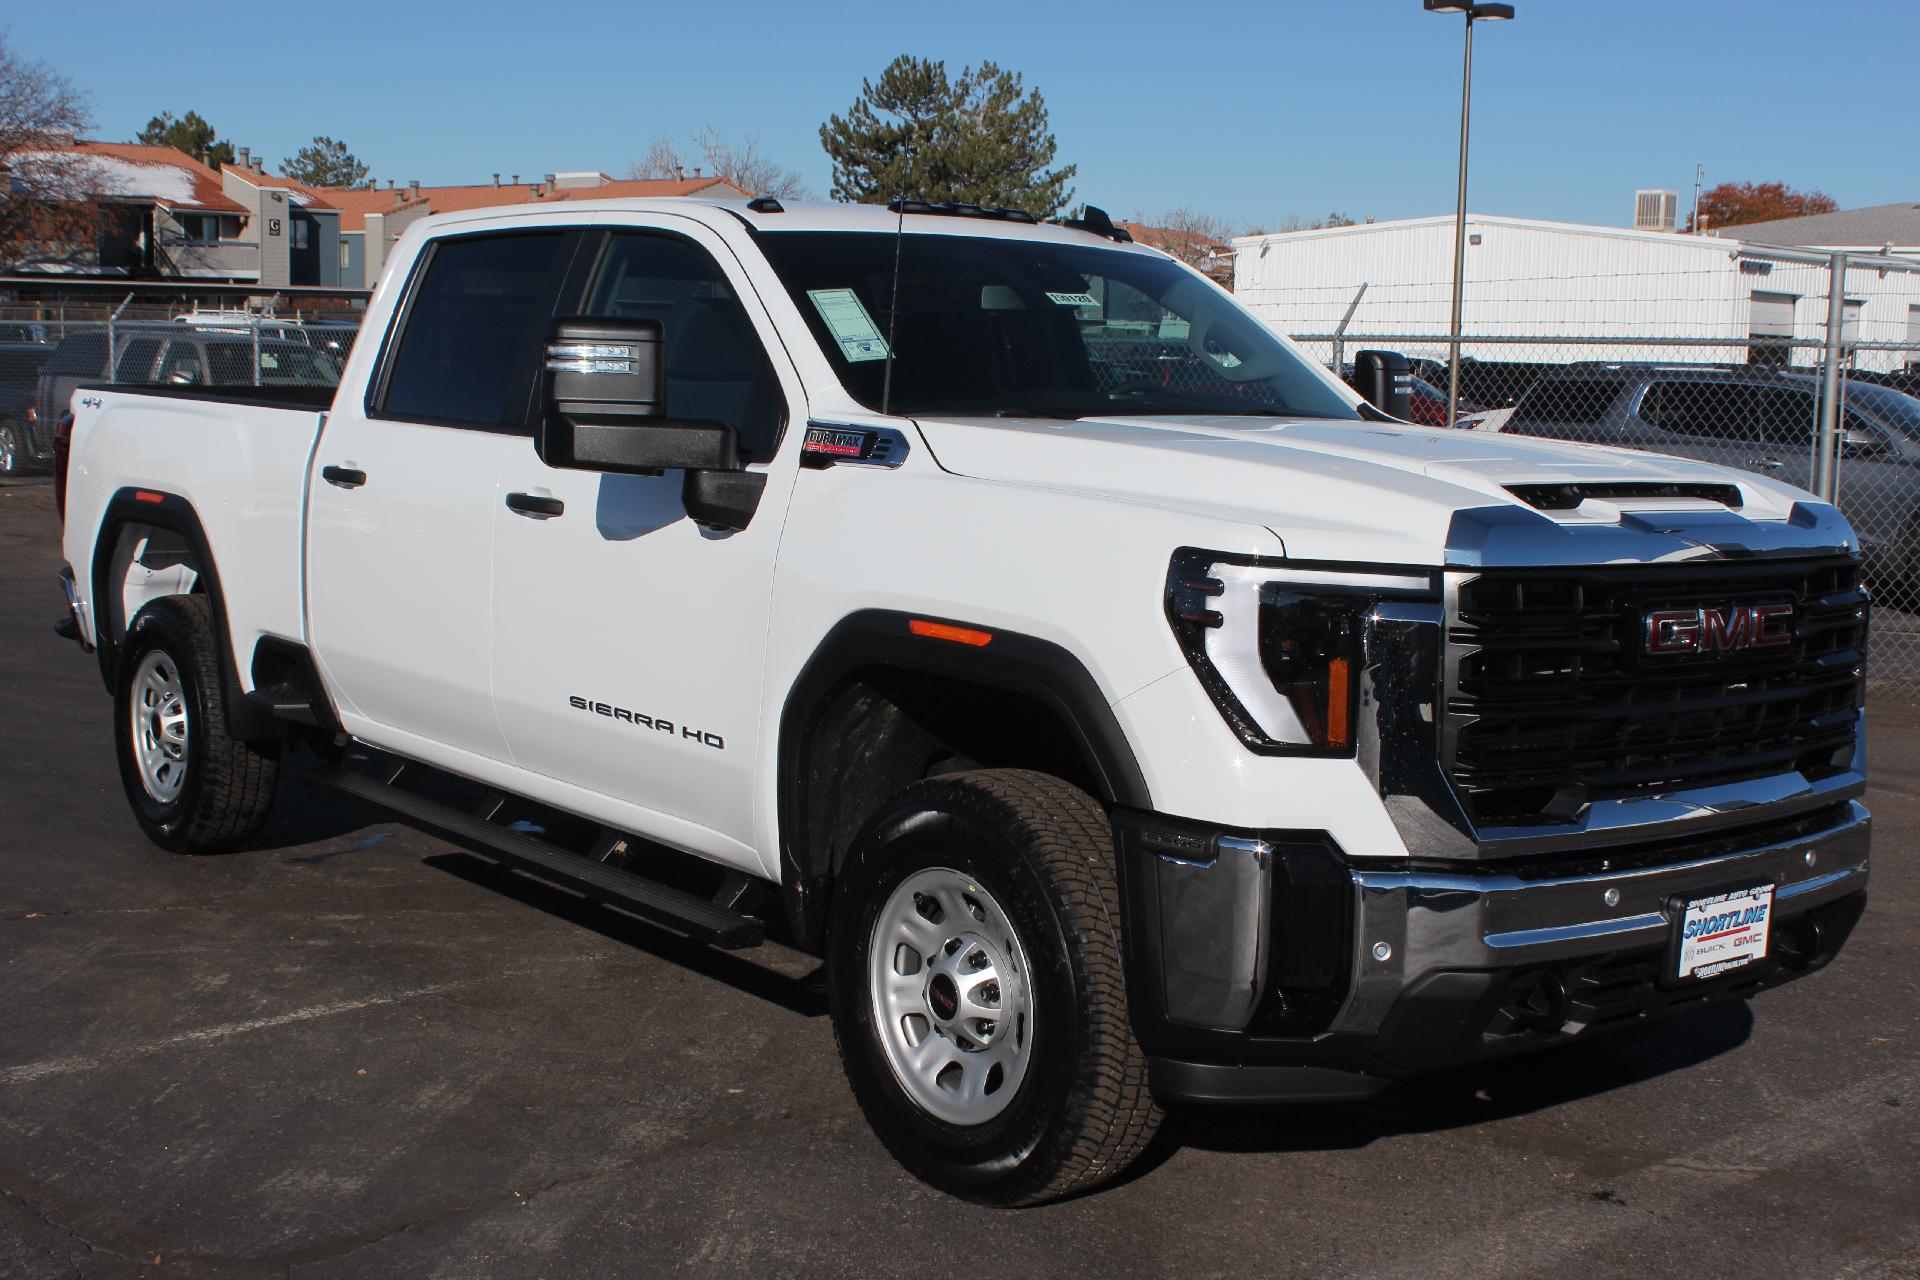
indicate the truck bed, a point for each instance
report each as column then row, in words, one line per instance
column 236, row 456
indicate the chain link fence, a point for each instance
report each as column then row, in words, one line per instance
column 45, row 354
column 1760, row 400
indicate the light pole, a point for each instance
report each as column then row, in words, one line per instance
column 1485, row 12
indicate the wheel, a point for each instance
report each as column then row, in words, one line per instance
column 975, row 982
column 193, row 788
column 12, row 463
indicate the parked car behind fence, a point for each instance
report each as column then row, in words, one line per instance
column 1759, row 420
column 20, row 365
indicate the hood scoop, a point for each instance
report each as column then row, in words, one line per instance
column 1568, row 496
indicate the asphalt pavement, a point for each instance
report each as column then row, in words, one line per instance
column 353, row 1050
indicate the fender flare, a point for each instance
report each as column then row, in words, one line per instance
column 1011, row 661
column 246, row 721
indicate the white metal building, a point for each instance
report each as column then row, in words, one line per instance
column 1531, row 279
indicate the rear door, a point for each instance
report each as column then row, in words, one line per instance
column 629, row 643
column 404, row 489
column 1708, row 420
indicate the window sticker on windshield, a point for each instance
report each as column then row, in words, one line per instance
column 848, row 322
column 1074, row 299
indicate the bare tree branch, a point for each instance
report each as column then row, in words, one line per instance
column 46, row 213
column 741, row 166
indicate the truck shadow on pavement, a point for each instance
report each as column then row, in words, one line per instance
column 1466, row 1097
column 800, row 994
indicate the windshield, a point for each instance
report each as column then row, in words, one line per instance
column 1024, row 328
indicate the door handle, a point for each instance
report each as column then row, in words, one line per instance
column 538, row 508
column 343, row 477
column 1766, row 464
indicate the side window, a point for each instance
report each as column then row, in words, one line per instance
column 136, row 360
column 1712, row 410
column 1577, row 405
column 716, row 367
column 83, row 353
column 181, row 365
column 1786, row 417
column 232, row 363
column 473, row 330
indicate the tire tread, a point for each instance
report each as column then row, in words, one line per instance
column 234, row 792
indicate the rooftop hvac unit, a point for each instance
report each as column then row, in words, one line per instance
column 1655, row 210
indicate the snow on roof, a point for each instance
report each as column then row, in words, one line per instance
column 130, row 171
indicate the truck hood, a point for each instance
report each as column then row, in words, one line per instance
column 1389, row 494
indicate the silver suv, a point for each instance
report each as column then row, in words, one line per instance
column 1757, row 420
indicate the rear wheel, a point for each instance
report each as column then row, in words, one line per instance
column 977, row 993
column 12, row 462
column 193, row 787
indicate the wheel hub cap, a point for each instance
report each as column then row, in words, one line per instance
column 159, row 715
column 950, row 996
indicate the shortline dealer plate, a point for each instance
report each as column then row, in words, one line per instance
column 1721, row 932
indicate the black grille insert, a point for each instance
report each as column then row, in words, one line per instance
column 1552, row 702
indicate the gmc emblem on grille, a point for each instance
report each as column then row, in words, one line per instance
column 1729, row 630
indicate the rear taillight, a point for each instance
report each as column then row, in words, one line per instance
column 62, row 446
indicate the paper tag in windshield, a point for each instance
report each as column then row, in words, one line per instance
column 848, row 322
column 1074, row 299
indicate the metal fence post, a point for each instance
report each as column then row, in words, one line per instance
column 1339, row 346
column 1826, row 438
column 255, row 328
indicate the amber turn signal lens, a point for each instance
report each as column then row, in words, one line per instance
column 947, row 631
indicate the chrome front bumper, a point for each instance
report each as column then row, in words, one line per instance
column 1274, row 968
column 1414, row 923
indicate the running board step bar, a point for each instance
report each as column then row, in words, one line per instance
column 663, row 904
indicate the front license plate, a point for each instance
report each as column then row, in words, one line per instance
column 1723, row 931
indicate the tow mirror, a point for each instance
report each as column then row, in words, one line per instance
column 605, row 410
column 1385, row 380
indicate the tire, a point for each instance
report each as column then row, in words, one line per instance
column 12, row 461
column 193, row 788
column 1030, row 859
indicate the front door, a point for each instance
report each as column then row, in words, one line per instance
column 404, row 490
column 628, row 642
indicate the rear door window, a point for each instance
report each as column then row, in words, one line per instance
column 1569, row 401
column 1786, row 416
column 1701, row 409
column 136, row 360
column 182, row 366
column 469, row 343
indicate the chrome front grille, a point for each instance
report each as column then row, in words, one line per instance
column 1551, row 701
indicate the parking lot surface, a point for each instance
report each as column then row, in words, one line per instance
column 353, row 1050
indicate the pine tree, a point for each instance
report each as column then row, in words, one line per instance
column 980, row 138
column 326, row 163
column 191, row 134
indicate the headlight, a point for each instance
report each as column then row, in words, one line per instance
column 1278, row 645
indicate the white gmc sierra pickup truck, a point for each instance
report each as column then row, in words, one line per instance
column 1127, row 711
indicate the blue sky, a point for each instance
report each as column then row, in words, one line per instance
column 1252, row 111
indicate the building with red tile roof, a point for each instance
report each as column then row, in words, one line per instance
column 372, row 218
column 163, row 214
